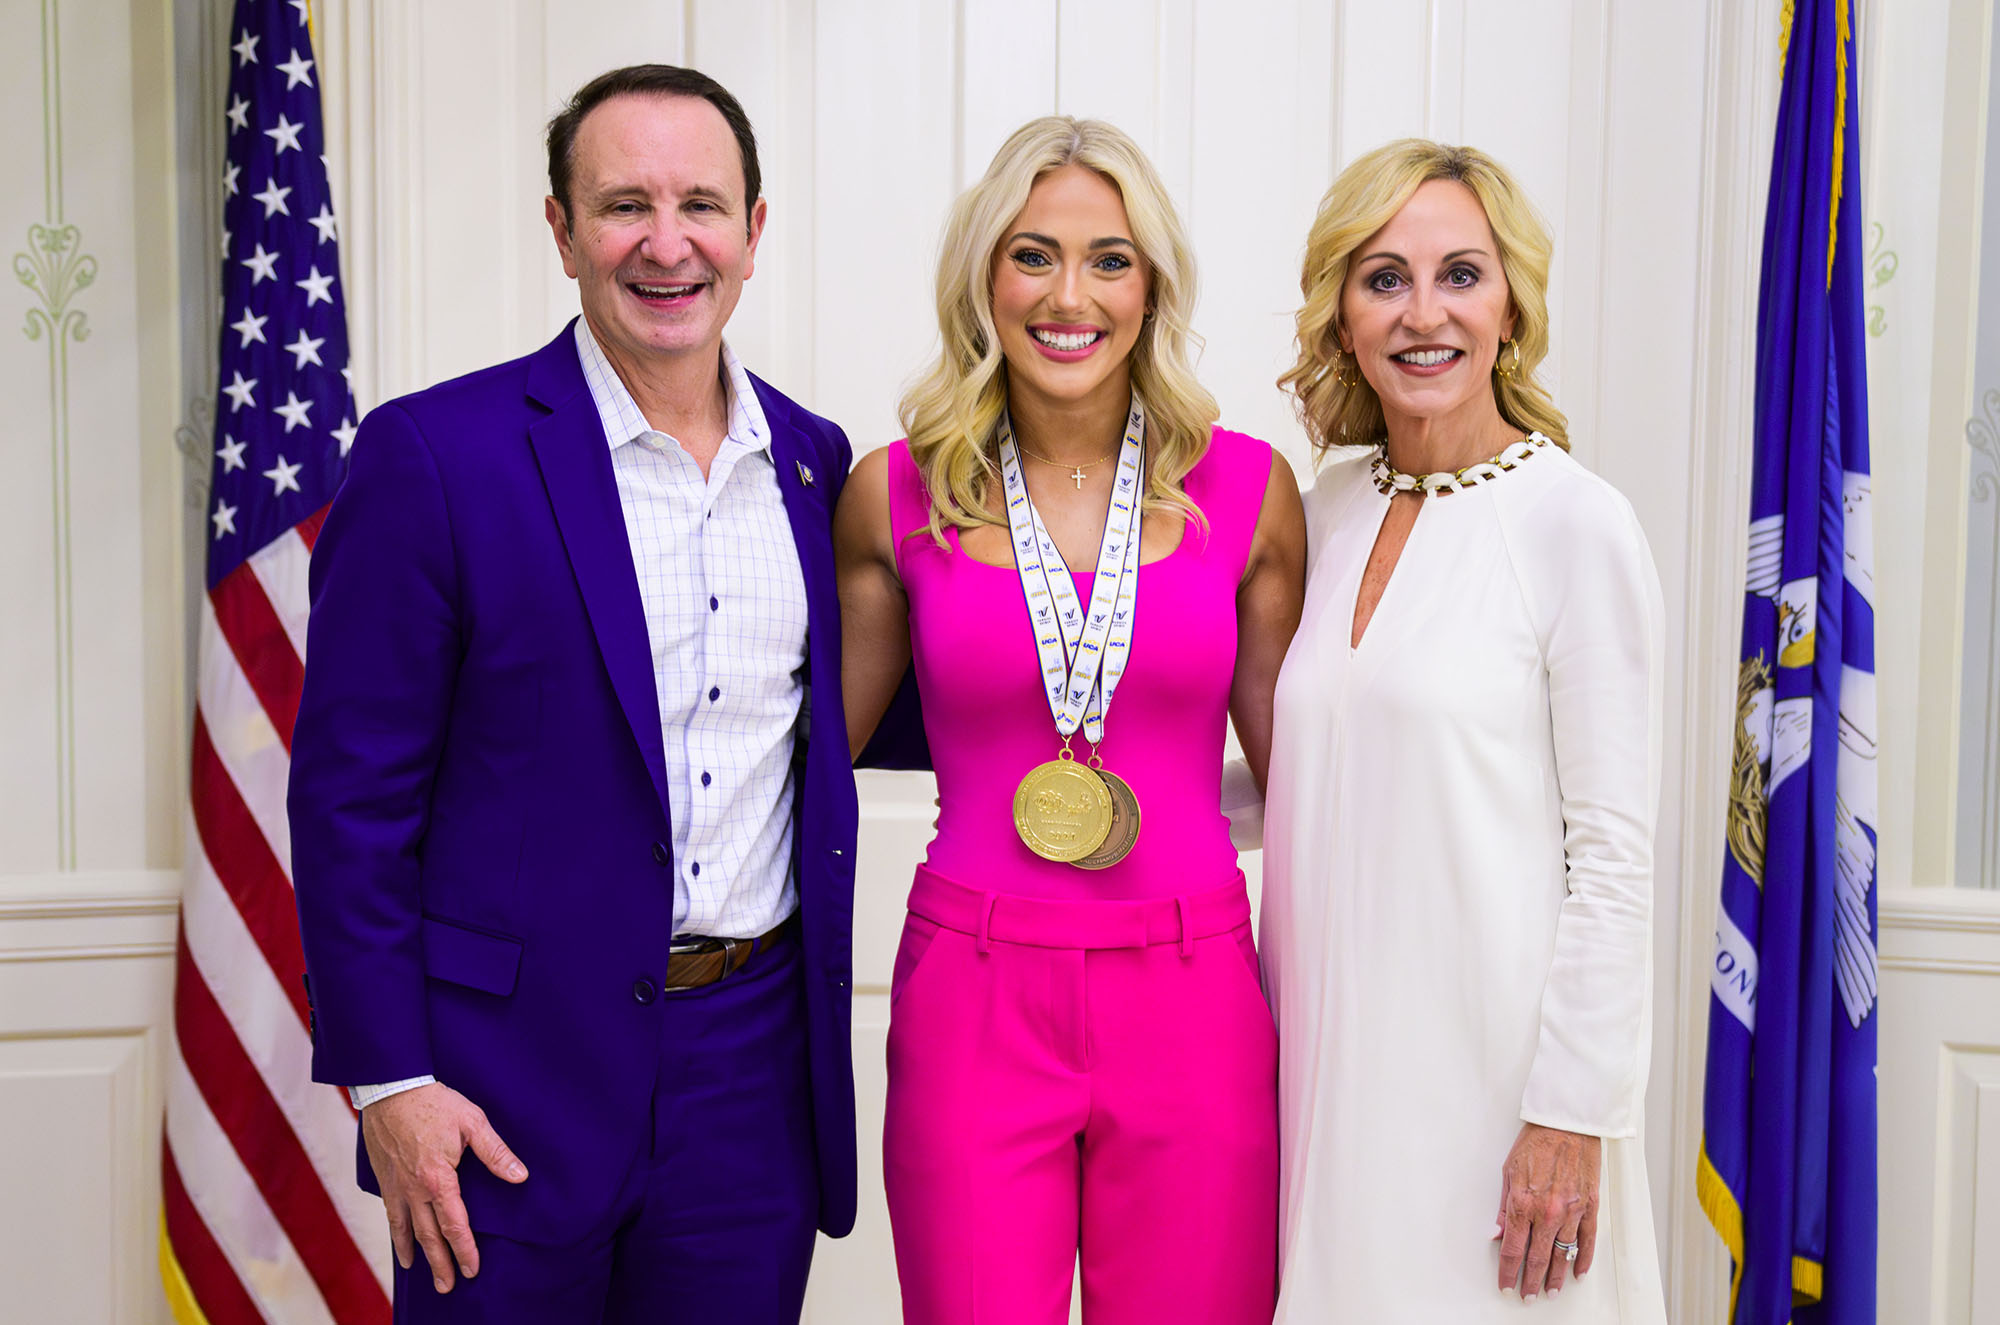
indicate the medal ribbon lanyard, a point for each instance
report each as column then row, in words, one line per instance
column 1083, row 653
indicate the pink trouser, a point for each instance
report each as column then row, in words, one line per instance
column 1098, row 1076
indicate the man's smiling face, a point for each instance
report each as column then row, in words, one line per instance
column 658, row 234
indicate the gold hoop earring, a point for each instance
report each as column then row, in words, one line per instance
column 1509, row 369
column 1341, row 362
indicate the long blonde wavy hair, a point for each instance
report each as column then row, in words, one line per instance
column 1365, row 197
column 950, row 412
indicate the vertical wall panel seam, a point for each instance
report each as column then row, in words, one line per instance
column 1337, row 128
column 56, row 269
column 958, row 179
column 1430, row 67
column 811, row 173
column 1604, row 47
column 1056, row 81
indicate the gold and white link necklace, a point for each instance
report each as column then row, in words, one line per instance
column 1445, row 482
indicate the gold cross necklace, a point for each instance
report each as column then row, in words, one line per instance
column 1076, row 471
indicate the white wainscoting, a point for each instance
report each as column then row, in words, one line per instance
column 86, row 975
column 92, row 739
column 1940, row 1107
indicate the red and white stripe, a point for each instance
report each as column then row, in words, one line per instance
column 263, row 1219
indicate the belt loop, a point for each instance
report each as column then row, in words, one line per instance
column 1187, row 939
column 985, row 943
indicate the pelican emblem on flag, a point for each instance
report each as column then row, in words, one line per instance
column 1798, row 616
column 1749, row 763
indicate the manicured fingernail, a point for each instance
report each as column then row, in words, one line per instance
column 1555, row 1293
column 1508, row 1291
column 1497, row 1231
column 437, row 1283
column 1527, row 1297
column 1581, row 1275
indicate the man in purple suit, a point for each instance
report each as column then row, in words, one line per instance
column 572, row 818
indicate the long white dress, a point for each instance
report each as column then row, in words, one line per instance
column 1458, row 892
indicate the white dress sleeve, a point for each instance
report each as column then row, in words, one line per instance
column 1590, row 582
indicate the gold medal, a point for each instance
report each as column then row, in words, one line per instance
column 1062, row 810
column 1124, row 832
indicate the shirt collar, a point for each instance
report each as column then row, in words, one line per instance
column 625, row 422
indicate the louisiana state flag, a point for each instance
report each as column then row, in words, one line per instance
column 1787, row 1170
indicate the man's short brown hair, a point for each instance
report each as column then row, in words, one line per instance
column 658, row 80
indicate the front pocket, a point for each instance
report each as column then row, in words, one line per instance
column 490, row 963
column 1246, row 948
column 918, row 934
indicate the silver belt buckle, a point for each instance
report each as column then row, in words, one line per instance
column 726, row 946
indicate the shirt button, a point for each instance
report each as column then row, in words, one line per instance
column 695, row 869
column 643, row 991
column 706, row 779
column 660, row 853
column 713, row 603
column 714, row 693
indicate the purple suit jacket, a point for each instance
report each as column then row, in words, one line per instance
column 478, row 797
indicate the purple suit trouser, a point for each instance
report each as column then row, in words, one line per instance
column 715, row 1221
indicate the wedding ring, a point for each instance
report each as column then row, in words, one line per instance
column 1568, row 1249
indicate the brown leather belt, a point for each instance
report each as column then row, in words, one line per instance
column 697, row 962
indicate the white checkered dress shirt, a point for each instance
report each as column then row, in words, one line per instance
column 725, row 604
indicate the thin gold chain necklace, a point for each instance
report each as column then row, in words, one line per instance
column 1076, row 471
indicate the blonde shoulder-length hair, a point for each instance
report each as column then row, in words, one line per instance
column 950, row 412
column 1362, row 200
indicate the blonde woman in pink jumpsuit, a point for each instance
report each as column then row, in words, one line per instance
column 1090, row 580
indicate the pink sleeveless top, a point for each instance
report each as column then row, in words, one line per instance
column 988, row 720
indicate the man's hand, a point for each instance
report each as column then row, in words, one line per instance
column 415, row 1139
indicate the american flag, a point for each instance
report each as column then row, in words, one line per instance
column 262, row 1219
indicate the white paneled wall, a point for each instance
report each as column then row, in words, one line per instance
column 91, row 741
column 1637, row 128
column 1940, row 1076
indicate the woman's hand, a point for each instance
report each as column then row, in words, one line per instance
column 1548, row 1194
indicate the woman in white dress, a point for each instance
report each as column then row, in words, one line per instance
column 1458, row 875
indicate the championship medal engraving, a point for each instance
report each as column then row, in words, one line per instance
column 1062, row 810
column 1124, row 831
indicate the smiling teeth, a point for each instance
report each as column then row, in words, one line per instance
column 1068, row 341
column 1427, row 358
column 666, row 291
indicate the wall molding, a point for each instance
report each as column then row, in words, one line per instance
column 69, row 896
column 1954, row 343
column 1970, row 911
column 1740, row 104
column 49, row 919
column 1942, row 965
column 160, row 948
column 56, row 269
